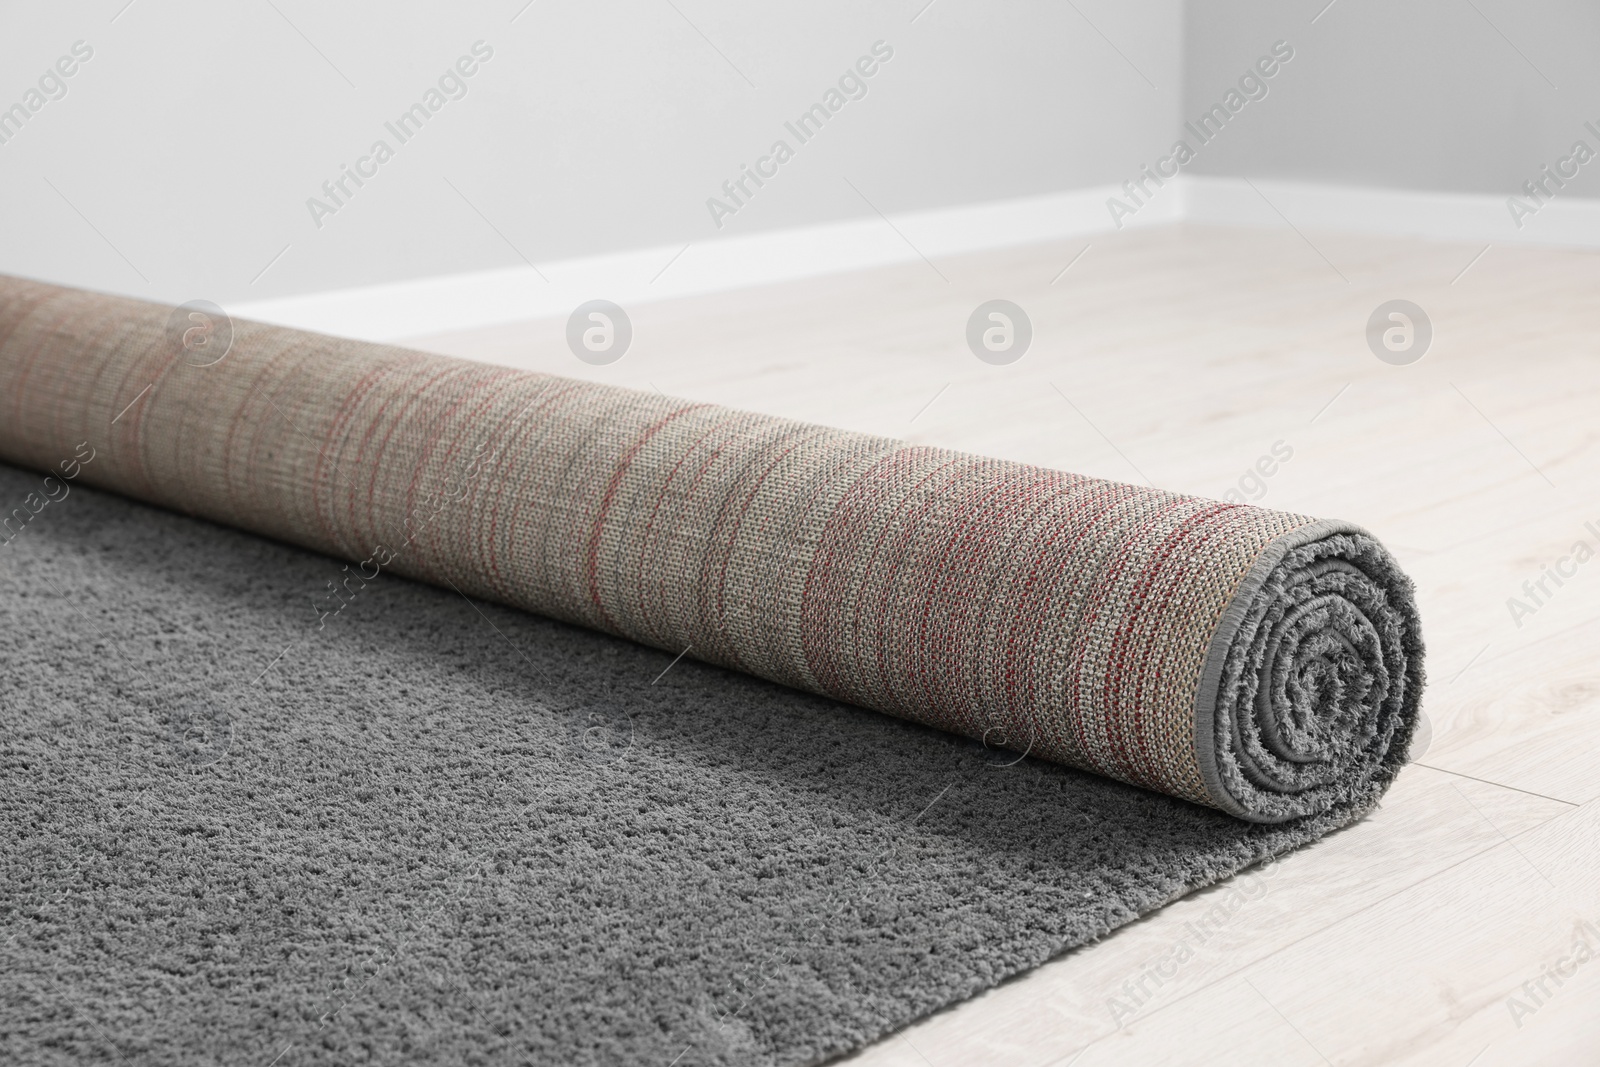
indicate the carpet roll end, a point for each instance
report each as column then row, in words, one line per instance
column 1313, row 682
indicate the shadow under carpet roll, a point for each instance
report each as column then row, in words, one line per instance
column 249, row 818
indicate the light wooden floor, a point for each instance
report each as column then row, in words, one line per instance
column 1180, row 356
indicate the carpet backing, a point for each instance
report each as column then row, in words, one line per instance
column 259, row 800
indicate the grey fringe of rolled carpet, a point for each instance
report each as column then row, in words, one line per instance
column 314, row 806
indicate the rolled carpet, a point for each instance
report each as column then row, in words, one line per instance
column 1263, row 663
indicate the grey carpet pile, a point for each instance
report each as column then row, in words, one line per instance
column 431, row 829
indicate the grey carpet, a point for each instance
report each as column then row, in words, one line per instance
column 434, row 830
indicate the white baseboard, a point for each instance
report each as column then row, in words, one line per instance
column 482, row 298
column 1473, row 217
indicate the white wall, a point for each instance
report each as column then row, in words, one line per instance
column 180, row 160
column 1448, row 95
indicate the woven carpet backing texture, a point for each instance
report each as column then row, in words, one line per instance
column 436, row 811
